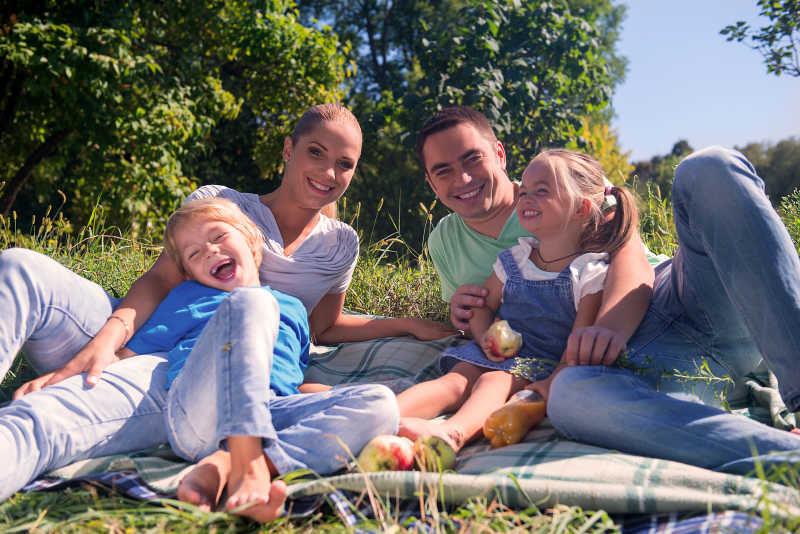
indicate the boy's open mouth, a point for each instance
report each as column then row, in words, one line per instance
column 224, row 270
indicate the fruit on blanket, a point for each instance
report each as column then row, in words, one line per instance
column 509, row 424
column 387, row 453
column 434, row 454
column 503, row 341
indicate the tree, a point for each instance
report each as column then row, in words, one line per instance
column 779, row 41
column 118, row 101
column 535, row 68
column 659, row 170
column 778, row 164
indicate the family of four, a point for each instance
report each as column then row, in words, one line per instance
column 206, row 352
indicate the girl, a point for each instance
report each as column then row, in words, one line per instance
column 66, row 324
column 545, row 287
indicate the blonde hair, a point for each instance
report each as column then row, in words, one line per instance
column 580, row 176
column 211, row 209
column 323, row 112
column 311, row 118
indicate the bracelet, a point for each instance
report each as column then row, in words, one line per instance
column 125, row 323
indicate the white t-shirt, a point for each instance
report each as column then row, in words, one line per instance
column 588, row 271
column 323, row 263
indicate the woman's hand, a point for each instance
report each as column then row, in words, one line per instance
column 593, row 345
column 92, row 359
column 461, row 303
column 427, row 330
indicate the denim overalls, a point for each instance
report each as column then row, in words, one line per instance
column 543, row 311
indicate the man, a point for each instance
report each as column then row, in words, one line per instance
column 465, row 165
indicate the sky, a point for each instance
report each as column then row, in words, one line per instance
column 685, row 81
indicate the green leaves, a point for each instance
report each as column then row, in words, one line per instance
column 122, row 100
column 779, row 41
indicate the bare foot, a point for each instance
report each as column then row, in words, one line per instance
column 253, row 488
column 203, row 485
column 416, row 427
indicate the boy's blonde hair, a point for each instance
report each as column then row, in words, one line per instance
column 211, row 209
column 580, row 176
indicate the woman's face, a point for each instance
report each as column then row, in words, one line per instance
column 321, row 163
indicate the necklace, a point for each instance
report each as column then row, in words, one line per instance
column 539, row 254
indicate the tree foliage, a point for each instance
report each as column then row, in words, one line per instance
column 659, row 170
column 778, row 164
column 119, row 101
column 535, row 68
column 779, row 41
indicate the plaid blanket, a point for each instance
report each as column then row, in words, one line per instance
column 545, row 469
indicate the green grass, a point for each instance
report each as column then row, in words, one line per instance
column 391, row 280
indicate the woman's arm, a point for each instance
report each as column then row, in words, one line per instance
column 329, row 325
column 144, row 296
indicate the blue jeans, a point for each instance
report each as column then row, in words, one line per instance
column 730, row 296
column 54, row 312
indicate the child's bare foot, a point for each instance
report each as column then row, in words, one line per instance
column 416, row 427
column 253, row 487
column 250, row 484
column 203, row 485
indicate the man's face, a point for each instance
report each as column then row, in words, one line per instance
column 465, row 170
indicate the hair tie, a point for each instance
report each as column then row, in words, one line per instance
column 608, row 190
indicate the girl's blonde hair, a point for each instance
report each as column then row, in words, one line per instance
column 211, row 209
column 579, row 176
column 316, row 115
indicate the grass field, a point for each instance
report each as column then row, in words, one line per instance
column 390, row 279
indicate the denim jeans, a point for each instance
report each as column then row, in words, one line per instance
column 54, row 312
column 729, row 297
column 230, row 364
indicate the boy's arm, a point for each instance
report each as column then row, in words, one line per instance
column 626, row 296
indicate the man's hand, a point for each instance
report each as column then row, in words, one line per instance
column 593, row 345
column 461, row 303
column 92, row 359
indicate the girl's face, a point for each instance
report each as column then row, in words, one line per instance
column 542, row 209
column 216, row 254
column 321, row 163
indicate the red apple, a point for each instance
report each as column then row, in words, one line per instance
column 503, row 341
column 387, row 453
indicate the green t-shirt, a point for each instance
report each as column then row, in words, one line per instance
column 463, row 256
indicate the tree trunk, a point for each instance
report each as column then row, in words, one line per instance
column 13, row 187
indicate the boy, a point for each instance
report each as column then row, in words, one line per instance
column 217, row 397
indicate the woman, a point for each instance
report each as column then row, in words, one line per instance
column 57, row 314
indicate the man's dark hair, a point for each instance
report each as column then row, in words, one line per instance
column 453, row 116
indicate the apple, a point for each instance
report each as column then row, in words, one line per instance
column 434, row 454
column 503, row 341
column 387, row 453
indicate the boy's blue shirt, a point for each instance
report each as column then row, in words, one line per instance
column 177, row 322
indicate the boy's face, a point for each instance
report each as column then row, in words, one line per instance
column 216, row 254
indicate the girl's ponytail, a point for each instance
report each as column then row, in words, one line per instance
column 611, row 234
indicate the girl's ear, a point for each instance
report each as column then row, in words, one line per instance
column 584, row 208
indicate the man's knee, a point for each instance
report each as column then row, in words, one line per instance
column 713, row 171
column 379, row 407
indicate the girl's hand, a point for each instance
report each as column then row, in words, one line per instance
column 427, row 330
column 486, row 347
column 593, row 345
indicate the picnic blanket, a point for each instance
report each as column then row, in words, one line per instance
column 545, row 469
